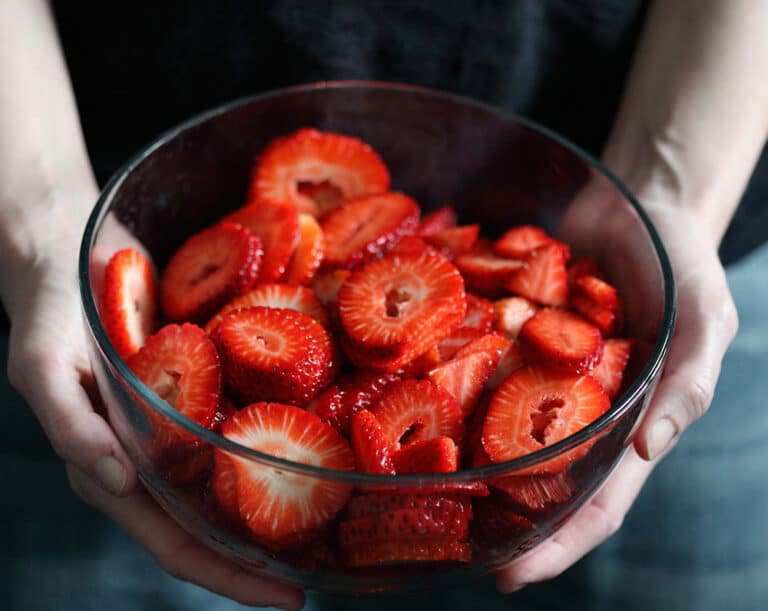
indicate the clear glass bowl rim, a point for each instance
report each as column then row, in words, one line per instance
column 618, row 408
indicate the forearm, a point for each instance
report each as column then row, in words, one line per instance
column 694, row 116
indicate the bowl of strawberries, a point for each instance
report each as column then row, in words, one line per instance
column 363, row 337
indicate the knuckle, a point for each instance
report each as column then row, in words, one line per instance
column 699, row 396
column 62, row 433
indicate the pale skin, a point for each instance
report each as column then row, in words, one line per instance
column 693, row 121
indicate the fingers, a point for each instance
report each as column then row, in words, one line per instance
column 178, row 552
column 593, row 524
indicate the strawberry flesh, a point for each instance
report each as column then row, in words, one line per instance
column 437, row 220
column 455, row 241
column 438, row 455
column 543, row 277
column 517, row 242
column 511, row 313
column 480, row 314
column 610, row 370
column 308, row 256
column 487, row 274
column 372, row 449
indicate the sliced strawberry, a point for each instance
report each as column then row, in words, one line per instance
column 610, row 370
column 558, row 338
column 181, row 366
column 581, row 267
column 280, row 505
column 128, row 305
column 411, row 245
column 412, row 410
column 511, row 313
column 366, row 227
column 519, row 241
column 499, row 527
column 224, row 486
column 308, row 255
column 374, row 504
column 437, row 220
column 537, row 407
column 400, row 552
column 492, row 345
column 208, row 270
column 277, row 225
column 455, row 241
column 511, row 360
column 473, row 437
column 457, row 490
column 372, row 449
column 298, row 298
column 598, row 291
column 463, row 379
column 603, row 318
column 317, row 171
column 183, row 463
column 274, row 355
column 419, row 367
column 542, row 278
column 480, row 314
column 438, row 455
column 450, row 345
column 487, row 274
column 535, row 492
column 327, row 284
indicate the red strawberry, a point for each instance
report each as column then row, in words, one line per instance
column 399, row 552
column 519, row 241
column 511, row 313
column 273, row 355
column 598, row 291
column 373, row 452
column 412, row 410
column 500, row 527
column 419, row 367
column 537, row 407
column 543, row 278
column 582, row 267
column 610, row 370
column 280, row 505
column 438, row 455
column 128, row 307
column 282, row 296
column 308, row 255
column 511, row 360
column 473, row 438
column 603, row 318
column 373, row 504
column 450, row 345
column 366, row 227
column 327, row 284
column 411, row 245
column 480, row 314
column 224, row 486
column 315, row 171
column 182, row 463
column 463, row 378
column 558, row 338
column 208, row 270
column 277, row 225
column 492, row 345
column 455, row 241
column 487, row 274
column 181, row 366
column 535, row 492
column 437, row 220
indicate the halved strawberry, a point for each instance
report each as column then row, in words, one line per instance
column 412, row 410
column 455, row 241
column 317, row 171
column 437, row 220
column 208, row 270
column 597, row 290
column 272, row 355
column 326, row 285
column 542, row 278
column 487, row 274
column 537, row 407
column 603, row 318
column 535, row 492
column 610, row 370
column 403, row 552
column 372, row 449
column 463, row 379
column 298, row 298
column 558, row 338
column 277, row 225
column 581, row 267
column 181, row 366
column 128, row 306
column 517, row 242
column 438, row 455
column 374, row 504
column 366, row 227
column 309, row 252
column 511, row 360
column 279, row 505
column 511, row 313
column 480, row 314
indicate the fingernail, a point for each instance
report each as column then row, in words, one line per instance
column 111, row 474
column 660, row 436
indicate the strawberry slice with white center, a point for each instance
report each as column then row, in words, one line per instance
column 181, row 366
column 511, row 313
column 480, row 314
column 542, row 278
column 208, row 270
column 128, row 305
column 610, row 370
column 536, row 407
column 317, row 171
column 519, row 241
column 487, row 274
column 308, row 256
column 278, row 504
column 366, row 227
column 535, row 492
column 281, row 296
column 511, row 360
column 437, row 220
column 463, row 378
column 372, row 449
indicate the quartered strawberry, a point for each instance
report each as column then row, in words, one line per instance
column 511, row 313
column 180, row 365
column 437, row 220
column 366, row 227
column 279, row 506
column 597, row 290
column 317, row 171
column 604, row 319
column 610, row 370
column 536, row 407
column 277, row 225
column 487, row 274
column 208, row 270
column 455, row 241
column 463, row 379
column 326, row 285
column 480, row 314
column 558, row 338
column 581, row 267
column 412, row 410
column 374, row 504
column 511, row 360
column 298, row 298
column 535, row 492
column 542, row 278
column 308, row 256
column 438, row 455
column 400, row 552
column 519, row 241
column 128, row 306
column 273, row 355
column 373, row 450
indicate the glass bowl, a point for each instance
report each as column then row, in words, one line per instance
column 497, row 170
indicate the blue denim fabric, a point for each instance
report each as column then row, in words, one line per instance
column 696, row 538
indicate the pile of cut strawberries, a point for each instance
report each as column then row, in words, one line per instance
column 328, row 322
